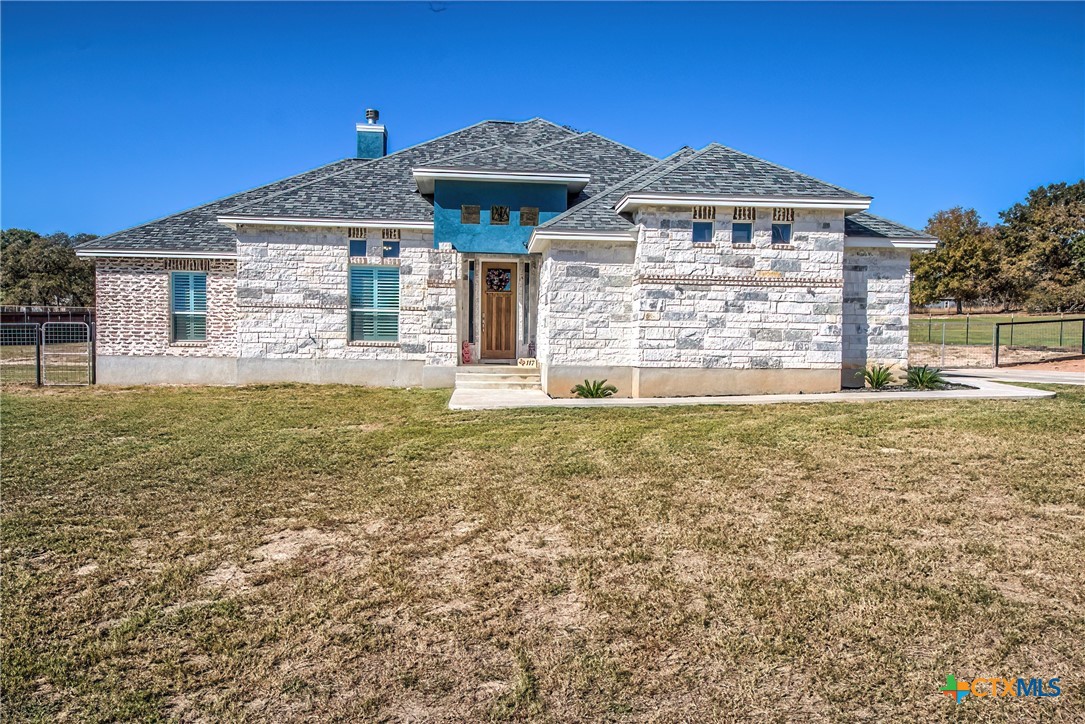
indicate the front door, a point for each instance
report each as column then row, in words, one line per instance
column 498, row 310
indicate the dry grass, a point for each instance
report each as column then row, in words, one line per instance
column 333, row 553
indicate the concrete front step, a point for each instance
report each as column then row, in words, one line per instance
column 498, row 377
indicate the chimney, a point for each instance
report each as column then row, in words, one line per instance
column 372, row 138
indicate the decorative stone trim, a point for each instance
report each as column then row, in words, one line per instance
column 440, row 283
column 704, row 213
column 200, row 343
column 390, row 234
column 743, row 281
column 200, row 265
column 374, row 261
column 744, row 213
column 783, row 247
column 412, row 309
column 355, row 232
column 367, row 343
column 743, row 246
column 245, row 305
column 704, row 245
column 783, row 214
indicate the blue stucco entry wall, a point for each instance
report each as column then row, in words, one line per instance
column 484, row 237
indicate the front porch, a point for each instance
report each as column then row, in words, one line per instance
column 497, row 308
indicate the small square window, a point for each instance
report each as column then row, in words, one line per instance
column 499, row 215
column 469, row 214
column 357, row 247
column 781, row 233
column 742, row 233
column 391, row 250
column 702, row 232
column 529, row 216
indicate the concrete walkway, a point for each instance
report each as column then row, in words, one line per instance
column 1010, row 374
column 467, row 399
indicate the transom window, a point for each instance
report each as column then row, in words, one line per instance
column 742, row 232
column 529, row 216
column 469, row 214
column 391, row 249
column 499, row 215
column 357, row 247
column 374, row 303
column 702, row 232
column 189, row 306
column 781, row 233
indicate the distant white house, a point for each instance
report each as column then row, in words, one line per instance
column 706, row 272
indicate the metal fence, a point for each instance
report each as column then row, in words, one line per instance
column 1037, row 341
column 969, row 341
column 53, row 353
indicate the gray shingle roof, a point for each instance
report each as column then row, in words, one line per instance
column 597, row 213
column 502, row 158
column 865, row 224
column 608, row 161
column 719, row 170
column 197, row 229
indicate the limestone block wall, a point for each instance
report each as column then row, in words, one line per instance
column 586, row 305
column 877, row 284
column 132, row 299
column 749, row 306
column 293, row 297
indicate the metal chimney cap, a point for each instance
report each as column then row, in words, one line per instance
column 372, row 115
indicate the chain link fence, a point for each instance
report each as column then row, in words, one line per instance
column 970, row 341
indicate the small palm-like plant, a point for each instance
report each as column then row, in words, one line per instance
column 878, row 377
column 594, row 389
column 926, row 378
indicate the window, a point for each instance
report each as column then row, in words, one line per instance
column 499, row 215
column 469, row 214
column 471, row 302
column 189, row 303
column 391, row 250
column 742, row 233
column 781, row 233
column 357, row 247
column 529, row 216
column 702, row 232
column 374, row 303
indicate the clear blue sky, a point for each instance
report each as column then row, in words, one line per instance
column 114, row 114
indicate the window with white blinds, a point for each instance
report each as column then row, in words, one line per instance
column 374, row 303
column 189, row 306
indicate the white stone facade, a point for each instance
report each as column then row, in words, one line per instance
column 657, row 314
column 877, row 283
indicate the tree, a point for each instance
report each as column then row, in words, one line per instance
column 44, row 270
column 964, row 266
column 1044, row 241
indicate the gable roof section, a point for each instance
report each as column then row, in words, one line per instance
column 598, row 214
column 609, row 162
column 501, row 158
column 868, row 225
column 718, row 170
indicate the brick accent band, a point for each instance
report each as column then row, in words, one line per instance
column 743, row 281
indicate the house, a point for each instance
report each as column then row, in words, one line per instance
column 706, row 272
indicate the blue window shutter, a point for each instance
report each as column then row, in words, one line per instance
column 189, row 304
column 374, row 303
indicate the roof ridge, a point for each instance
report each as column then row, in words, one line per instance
column 509, row 147
column 785, row 168
column 608, row 139
column 614, row 187
column 676, row 166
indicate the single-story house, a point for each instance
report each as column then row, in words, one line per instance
column 706, row 272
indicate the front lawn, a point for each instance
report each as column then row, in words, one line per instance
column 336, row 553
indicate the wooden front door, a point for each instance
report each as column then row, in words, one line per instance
column 498, row 310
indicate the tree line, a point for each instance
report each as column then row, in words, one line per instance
column 1033, row 259
column 38, row 270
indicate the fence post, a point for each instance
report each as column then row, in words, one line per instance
column 1083, row 336
column 967, row 317
column 1060, row 331
column 1011, row 330
column 943, row 344
column 92, row 351
column 930, row 323
column 994, row 342
column 37, row 354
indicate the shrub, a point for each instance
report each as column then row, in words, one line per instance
column 594, row 389
column 878, row 376
column 926, row 378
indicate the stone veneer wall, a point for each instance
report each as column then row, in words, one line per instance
column 877, row 285
column 293, row 316
column 675, row 316
column 132, row 299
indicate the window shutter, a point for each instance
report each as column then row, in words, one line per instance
column 374, row 303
